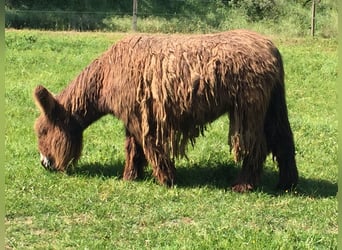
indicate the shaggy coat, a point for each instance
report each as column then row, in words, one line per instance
column 166, row 89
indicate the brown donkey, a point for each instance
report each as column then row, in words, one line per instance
column 165, row 89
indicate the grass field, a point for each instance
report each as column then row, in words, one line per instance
column 93, row 208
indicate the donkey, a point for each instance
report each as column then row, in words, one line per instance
column 166, row 89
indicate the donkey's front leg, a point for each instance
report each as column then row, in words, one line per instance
column 135, row 159
column 163, row 167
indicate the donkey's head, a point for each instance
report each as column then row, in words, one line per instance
column 59, row 134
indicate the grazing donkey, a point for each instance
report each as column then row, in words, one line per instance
column 165, row 89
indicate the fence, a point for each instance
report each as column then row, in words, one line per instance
column 187, row 20
column 58, row 20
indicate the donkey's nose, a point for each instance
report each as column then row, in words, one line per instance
column 46, row 162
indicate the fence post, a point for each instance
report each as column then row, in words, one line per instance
column 135, row 10
column 313, row 15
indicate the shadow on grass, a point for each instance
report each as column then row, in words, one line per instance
column 309, row 187
column 222, row 176
column 113, row 169
column 216, row 176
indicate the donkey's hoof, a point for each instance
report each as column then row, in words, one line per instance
column 242, row 187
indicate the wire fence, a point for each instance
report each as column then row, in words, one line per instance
column 57, row 20
column 75, row 20
column 276, row 18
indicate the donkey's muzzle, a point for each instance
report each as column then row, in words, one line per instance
column 46, row 162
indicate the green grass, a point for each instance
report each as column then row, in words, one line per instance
column 93, row 208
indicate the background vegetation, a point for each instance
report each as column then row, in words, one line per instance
column 290, row 17
column 93, row 208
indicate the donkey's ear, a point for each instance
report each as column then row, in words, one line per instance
column 44, row 100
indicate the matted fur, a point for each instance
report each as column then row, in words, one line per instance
column 166, row 89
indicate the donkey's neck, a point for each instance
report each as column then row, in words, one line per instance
column 82, row 98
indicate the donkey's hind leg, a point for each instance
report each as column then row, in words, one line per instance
column 135, row 159
column 163, row 167
column 281, row 143
column 249, row 175
column 280, row 140
column 248, row 145
column 252, row 165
